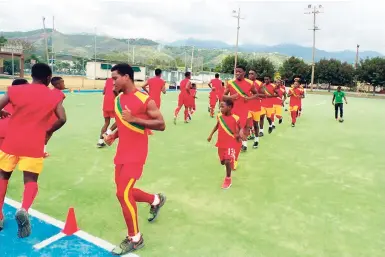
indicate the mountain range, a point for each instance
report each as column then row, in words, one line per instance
column 147, row 51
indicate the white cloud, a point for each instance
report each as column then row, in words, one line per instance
column 343, row 23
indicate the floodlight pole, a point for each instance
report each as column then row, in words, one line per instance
column 315, row 10
column 238, row 16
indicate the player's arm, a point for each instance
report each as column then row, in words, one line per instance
column 334, row 97
column 210, row 85
column 346, row 101
column 3, row 102
column 164, row 88
column 109, row 139
column 213, row 132
column 144, row 87
column 155, row 123
column 188, row 87
column 227, row 96
column 61, row 118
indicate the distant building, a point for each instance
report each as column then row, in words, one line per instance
column 102, row 70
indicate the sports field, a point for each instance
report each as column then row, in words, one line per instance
column 314, row 190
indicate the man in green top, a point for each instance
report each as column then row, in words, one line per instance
column 338, row 103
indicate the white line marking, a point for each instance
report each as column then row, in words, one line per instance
column 49, row 241
column 57, row 223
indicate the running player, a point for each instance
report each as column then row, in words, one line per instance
column 255, row 107
column 58, row 86
column 216, row 83
column 108, row 111
column 268, row 89
column 295, row 95
column 26, row 134
column 183, row 98
column 156, row 86
column 193, row 97
column 279, row 101
column 228, row 136
column 213, row 99
column 8, row 108
column 238, row 90
column 136, row 113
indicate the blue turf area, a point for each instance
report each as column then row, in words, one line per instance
column 70, row 246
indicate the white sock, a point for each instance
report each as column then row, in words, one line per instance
column 244, row 143
column 156, row 200
column 270, row 126
column 101, row 141
column 109, row 132
column 136, row 238
column 45, row 148
column 256, row 139
column 261, row 130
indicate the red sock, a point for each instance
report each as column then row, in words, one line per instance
column 272, row 117
column 176, row 112
column 30, row 192
column 185, row 114
column 142, row 197
column 279, row 117
column 293, row 117
column 3, row 191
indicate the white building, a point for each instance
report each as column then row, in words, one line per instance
column 102, row 70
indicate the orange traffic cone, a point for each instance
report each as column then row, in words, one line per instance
column 71, row 225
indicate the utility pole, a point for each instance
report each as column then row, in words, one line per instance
column 133, row 54
column 185, row 59
column 52, row 49
column 128, row 51
column 46, row 41
column 95, row 59
column 238, row 16
column 314, row 10
column 192, row 59
column 357, row 56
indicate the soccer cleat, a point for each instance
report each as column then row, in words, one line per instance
column 255, row 145
column 292, row 125
column 128, row 246
column 226, row 183
column 24, row 226
column 174, row 120
column 270, row 130
column 154, row 210
column 273, row 126
column 208, row 109
column 261, row 134
column 280, row 121
column 100, row 145
column 46, row 155
column 235, row 166
column 244, row 148
column 1, row 224
column 251, row 137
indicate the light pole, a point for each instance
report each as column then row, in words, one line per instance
column 95, row 59
column 238, row 16
column 314, row 10
column 357, row 55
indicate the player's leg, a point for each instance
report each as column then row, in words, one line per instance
column 294, row 113
column 186, row 114
column 278, row 113
column 256, row 119
column 4, row 178
column 107, row 121
column 272, row 116
column 262, row 121
column 245, row 128
column 269, row 115
column 177, row 109
column 227, row 156
column 341, row 110
column 336, row 111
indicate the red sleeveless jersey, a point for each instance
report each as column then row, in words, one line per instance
column 155, row 86
column 33, row 106
column 227, row 126
column 133, row 138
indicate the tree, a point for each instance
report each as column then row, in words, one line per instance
column 263, row 67
column 334, row 72
column 372, row 71
column 294, row 67
column 3, row 41
column 228, row 62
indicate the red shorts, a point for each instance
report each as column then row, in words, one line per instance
column 109, row 114
column 226, row 154
column 130, row 170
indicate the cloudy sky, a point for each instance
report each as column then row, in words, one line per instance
column 343, row 23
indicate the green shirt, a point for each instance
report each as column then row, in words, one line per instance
column 339, row 97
